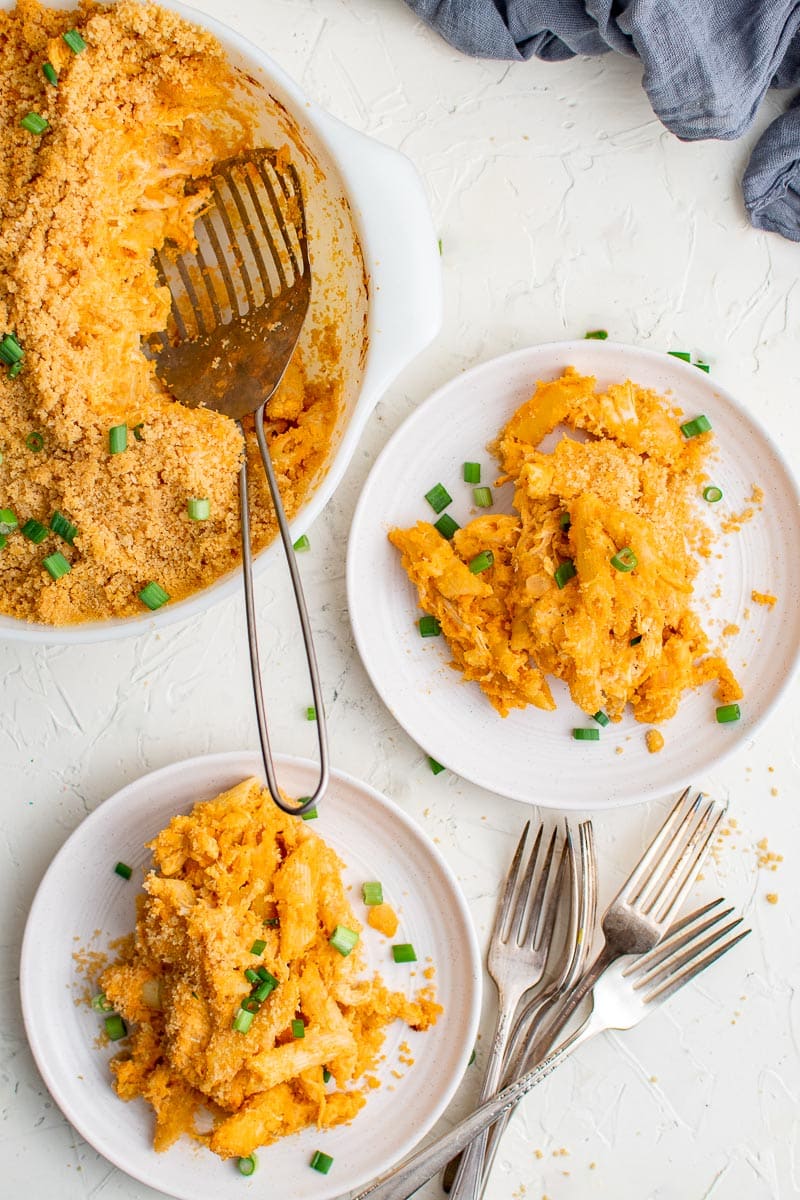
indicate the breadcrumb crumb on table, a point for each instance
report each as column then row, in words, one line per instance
column 765, row 598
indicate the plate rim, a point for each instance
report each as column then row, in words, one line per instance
column 417, row 416
column 222, row 760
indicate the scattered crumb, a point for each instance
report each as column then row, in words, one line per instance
column 539, row 1153
column 655, row 740
column 730, row 631
column 592, row 1166
column 618, row 750
column 765, row 598
column 766, row 857
column 772, row 897
column 383, row 918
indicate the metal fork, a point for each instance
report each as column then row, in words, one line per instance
column 518, row 950
column 239, row 301
column 582, row 879
column 626, row 992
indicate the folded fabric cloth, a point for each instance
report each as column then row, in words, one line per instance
column 707, row 66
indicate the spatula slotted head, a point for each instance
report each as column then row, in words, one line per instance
column 239, row 301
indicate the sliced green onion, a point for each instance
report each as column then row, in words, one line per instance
column 703, row 366
column 684, row 355
column 124, row 870
column 302, row 543
column 311, row 713
column 564, row 572
column 446, row 525
column 472, row 472
column 321, row 1162
column 372, row 893
column 64, row 528
column 438, row 497
column 298, row 1029
column 247, row 1166
column 266, row 976
column 693, row 428
column 262, row 990
column 258, row 946
column 56, row 565
column 50, row 73
column 472, row 1058
column 252, row 976
column 10, row 350
column 440, row 245
column 8, row 520
column 74, row 41
column 117, row 439
column 199, row 510
column 727, row 713
column 598, row 335
column 343, row 939
column 481, row 562
column 712, row 494
column 242, row 1021
column 115, row 1027
column 3, row 540
column 482, row 497
column 14, row 370
column 34, row 531
column 624, row 560
column 153, row 596
column 565, row 520
column 586, row 735
column 34, row 442
column 137, row 431
column 101, row 1003
column 251, row 1003
column 429, row 626
column 404, row 952
column 271, row 922
column 311, row 813
column 635, row 640
column 436, row 767
column 34, row 123
column 326, row 1075
column 601, row 717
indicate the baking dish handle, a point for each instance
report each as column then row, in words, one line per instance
column 400, row 250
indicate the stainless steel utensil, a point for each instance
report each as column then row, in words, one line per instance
column 238, row 305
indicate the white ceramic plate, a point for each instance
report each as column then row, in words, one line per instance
column 81, row 903
column 530, row 755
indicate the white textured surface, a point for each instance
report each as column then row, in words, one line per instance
column 562, row 205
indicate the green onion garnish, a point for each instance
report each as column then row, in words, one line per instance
column 262, row 990
column 34, row 123
column 326, row 1075
column 3, row 540
column 34, row 531
column 321, row 1162
column 446, row 525
column 8, row 520
column 343, row 939
column 440, row 245
column 601, row 717
column 635, row 640
column 10, row 350
column 115, row 1027
column 481, row 562
column 199, row 510
column 56, row 565
column 564, row 572
column 624, row 560
column 153, row 596
column 302, row 543
column 712, row 494
column 298, row 1029
column 693, row 428
column 251, row 1003
column 565, row 520
column 50, row 73
column 311, row 813
column 117, row 439
column 684, row 355
column 266, row 976
column 74, row 41
column 372, row 893
column 14, row 370
column 586, row 735
column 271, row 922
column 124, row 870
column 598, row 335
column 311, row 713
column 472, row 472
column 703, row 366
column 252, row 976
column 472, row 1058
column 429, row 626
column 258, row 946
column 404, row 953
column 436, row 767
column 482, row 497
column 101, row 1003
column 247, row 1165
column 137, row 431
column 438, row 497
column 64, row 528
column 728, row 712
column 242, row 1021
column 34, row 442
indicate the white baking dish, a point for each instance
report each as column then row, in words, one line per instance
column 376, row 265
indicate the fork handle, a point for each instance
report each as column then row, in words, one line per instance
column 252, row 630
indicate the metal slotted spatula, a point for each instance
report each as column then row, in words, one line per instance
column 238, row 305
